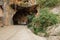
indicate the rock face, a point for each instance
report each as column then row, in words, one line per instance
column 1, row 17
column 54, row 30
column 1, row 12
column 9, row 12
column 56, row 10
column 54, row 38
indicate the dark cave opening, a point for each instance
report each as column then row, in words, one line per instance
column 20, row 17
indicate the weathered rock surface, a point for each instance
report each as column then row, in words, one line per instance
column 1, row 13
column 1, row 17
column 56, row 10
column 54, row 38
column 54, row 30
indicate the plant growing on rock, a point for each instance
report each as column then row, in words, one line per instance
column 44, row 20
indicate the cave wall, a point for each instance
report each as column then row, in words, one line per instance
column 9, row 12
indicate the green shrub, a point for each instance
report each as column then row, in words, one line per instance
column 48, row 3
column 44, row 20
column 30, row 17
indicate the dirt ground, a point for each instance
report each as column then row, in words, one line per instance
column 18, row 33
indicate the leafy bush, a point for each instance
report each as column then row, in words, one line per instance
column 48, row 3
column 30, row 17
column 44, row 20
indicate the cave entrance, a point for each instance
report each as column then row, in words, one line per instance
column 19, row 19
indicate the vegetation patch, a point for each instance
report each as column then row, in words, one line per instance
column 48, row 3
column 44, row 20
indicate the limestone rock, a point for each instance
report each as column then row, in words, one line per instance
column 54, row 38
column 56, row 10
column 54, row 30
